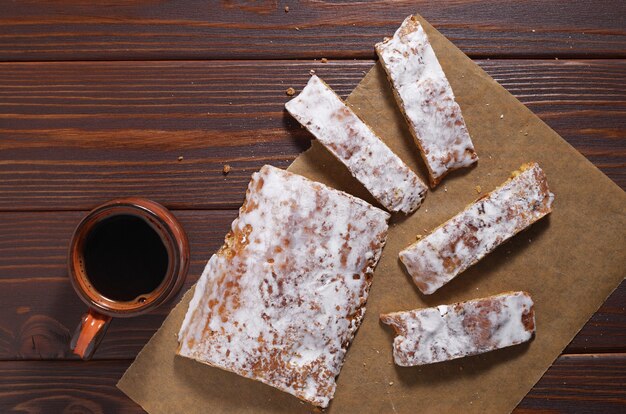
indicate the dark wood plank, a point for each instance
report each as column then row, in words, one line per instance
column 75, row 134
column 106, row 30
column 580, row 384
column 574, row 384
column 64, row 387
column 40, row 309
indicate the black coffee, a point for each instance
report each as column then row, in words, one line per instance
column 124, row 258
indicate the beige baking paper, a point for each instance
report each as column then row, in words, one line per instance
column 569, row 262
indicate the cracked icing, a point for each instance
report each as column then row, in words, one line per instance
column 466, row 238
column 353, row 143
column 445, row 332
column 426, row 100
column 282, row 299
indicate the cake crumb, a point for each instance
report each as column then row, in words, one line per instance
column 312, row 72
column 286, row 9
column 290, row 91
column 390, row 383
column 478, row 189
column 324, row 60
column 502, row 116
column 180, row 158
column 525, row 134
column 418, row 237
column 297, row 28
column 226, row 169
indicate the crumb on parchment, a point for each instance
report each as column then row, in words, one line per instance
column 478, row 189
column 226, row 169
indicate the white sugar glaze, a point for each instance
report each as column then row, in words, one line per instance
column 282, row 299
column 352, row 142
column 426, row 336
column 466, row 238
column 426, row 100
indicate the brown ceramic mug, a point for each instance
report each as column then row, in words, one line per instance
column 126, row 257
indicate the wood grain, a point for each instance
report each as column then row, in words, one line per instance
column 585, row 383
column 108, row 30
column 75, row 134
column 580, row 384
column 64, row 387
column 41, row 310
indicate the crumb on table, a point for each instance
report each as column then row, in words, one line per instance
column 290, row 91
column 180, row 158
column 226, row 169
column 324, row 60
column 286, row 9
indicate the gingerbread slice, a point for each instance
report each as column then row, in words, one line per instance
column 426, row 336
column 466, row 238
column 351, row 141
column 282, row 299
column 425, row 97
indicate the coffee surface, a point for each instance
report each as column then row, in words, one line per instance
column 124, row 258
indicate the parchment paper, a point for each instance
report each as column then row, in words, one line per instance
column 569, row 262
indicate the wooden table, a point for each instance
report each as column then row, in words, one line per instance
column 100, row 101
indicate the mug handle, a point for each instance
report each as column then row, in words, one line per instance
column 89, row 333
